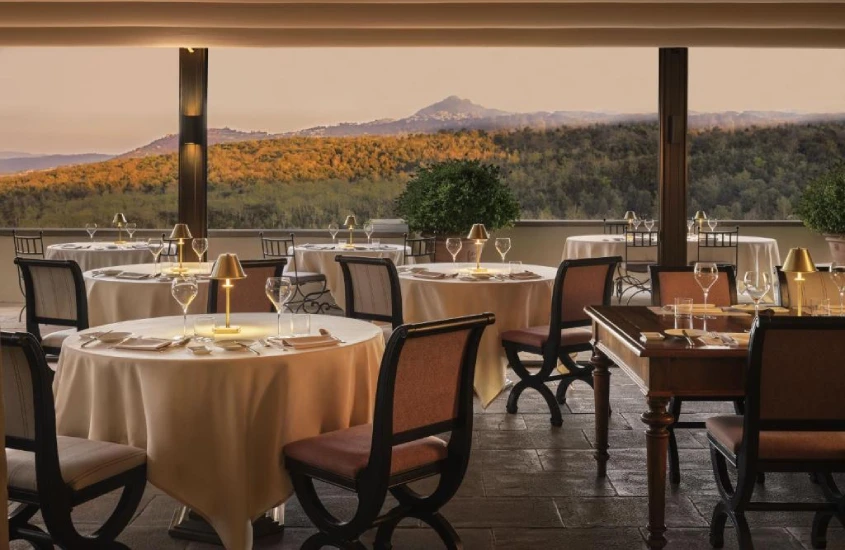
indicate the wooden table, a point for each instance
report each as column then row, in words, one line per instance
column 662, row 370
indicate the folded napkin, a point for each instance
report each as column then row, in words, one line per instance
column 429, row 275
column 133, row 275
column 524, row 276
column 70, row 246
column 714, row 311
column 144, row 344
column 307, row 342
column 733, row 339
column 763, row 307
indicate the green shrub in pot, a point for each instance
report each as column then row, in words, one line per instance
column 822, row 207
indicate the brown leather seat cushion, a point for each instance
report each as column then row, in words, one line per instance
column 537, row 336
column 346, row 452
column 811, row 446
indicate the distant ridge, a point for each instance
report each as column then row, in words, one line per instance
column 13, row 165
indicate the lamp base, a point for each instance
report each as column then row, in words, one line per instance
column 120, row 242
column 178, row 270
column 479, row 270
column 234, row 329
column 348, row 246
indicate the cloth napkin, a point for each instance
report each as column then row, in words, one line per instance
column 70, row 246
column 307, row 342
column 429, row 275
column 733, row 339
column 763, row 307
column 524, row 276
column 133, row 275
column 144, row 344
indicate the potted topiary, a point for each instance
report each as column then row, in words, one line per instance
column 822, row 208
column 447, row 197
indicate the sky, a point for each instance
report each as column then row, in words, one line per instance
column 111, row 100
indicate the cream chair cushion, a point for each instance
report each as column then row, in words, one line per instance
column 83, row 463
column 55, row 339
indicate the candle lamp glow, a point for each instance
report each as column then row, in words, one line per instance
column 478, row 234
column 799, row 262
column 350, row 223
column 119, row 221
column 700, row 217
column 227, row 269
column 179, row 234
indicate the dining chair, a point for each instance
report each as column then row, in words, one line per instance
column 372, row 291
column 668, row 283
column 424, row 389
column 642, row 249
column 55, row 295
column 170, row 250
column 614, row 227
column 248, row 295
column 54, row 474
column 27, row 246
column 419, row 247
column 285, row 247
column 817, row 285
column 578, row 284
column 797, row 426
column 721, row 246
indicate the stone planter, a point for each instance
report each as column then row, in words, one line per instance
column 837, row 247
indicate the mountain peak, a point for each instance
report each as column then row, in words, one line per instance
column 457, row 106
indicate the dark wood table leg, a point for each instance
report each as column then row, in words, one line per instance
column 657, row 444
column 601, row 394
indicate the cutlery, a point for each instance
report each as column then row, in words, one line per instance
column 686, row 335
column 95, row 338
column 120, row 342
column 250, row 348
column 324, row 332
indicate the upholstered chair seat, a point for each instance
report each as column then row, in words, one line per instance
column 537, row 336
column 56, row 339
column 780, row 445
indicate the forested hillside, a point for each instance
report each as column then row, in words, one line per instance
column 575, row 173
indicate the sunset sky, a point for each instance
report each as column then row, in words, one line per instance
column 76, row 100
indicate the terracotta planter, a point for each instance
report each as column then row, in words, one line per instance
column 837, row 247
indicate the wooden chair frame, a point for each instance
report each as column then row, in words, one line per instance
column 396, row 318
column 720, row 239
column 214, row 285
column 54, row 498
column 32, row 319
column 552, row 352
column 676, row 403
column 421, row 247
column 27, row 246
column 782, row 284
column 736, row 500
column 277, row 247
column 636, row 239
column 170, row 249
column 615, row 227
column 375, row 480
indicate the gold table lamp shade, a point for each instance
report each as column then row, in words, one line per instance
column 228, row 268
column 630, row 216
column 799, row 261
column 180, row 232
column 478, row 233
column 700, row 215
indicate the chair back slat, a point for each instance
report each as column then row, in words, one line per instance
column 719, row 246
column 615, row 227
column 17, row 392
column 170, row 249
column 372, row 289
column 55, row 294
column 422, row 247
column 668, row 283
column 247, row 295
column 28, row 246
column 641, row 246
column 584, row 283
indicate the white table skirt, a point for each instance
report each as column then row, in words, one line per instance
column 113, row 300
column 319, row 258
column 755, row 253
column 516, row 304
column 98, row 254
column 214, row 426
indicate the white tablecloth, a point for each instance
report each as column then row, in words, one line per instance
column 755, row 253
column 319, row 258
column 516, row 304
column 99, row 254
column 214, row 426
column 112, row 299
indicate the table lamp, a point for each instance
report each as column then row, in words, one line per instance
column 479, row 235
column 799, row 261
column 180, row 233
column 119, row 220
column 629, row 217
column 227, row 268
column 700, row 217
column 350, row 223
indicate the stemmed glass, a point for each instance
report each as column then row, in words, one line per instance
column 184, row 290
column 636, row 223
column 155, row 247
column 199, row 246
column 333, row 229
column 91, row 228
column 368, row 230
column 453, row 245
column 712, row 223
column 690, row 225
column 278, row 290
column 837, row 271
column 131, row 228
column 757, row 285
column 706, row 274
column 503, row 245
column 649, row 224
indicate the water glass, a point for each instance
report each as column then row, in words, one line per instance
column 300, row 324
column 820, row 307
column 514, row 267
column 376, row 243
column 204, row 328
column 683, row 308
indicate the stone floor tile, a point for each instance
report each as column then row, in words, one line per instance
column 626, row 439
column 635, row 483
column 519, row 460
column 505, row 423
column 698, row 539
column 541, row 484
column 624, row 512
column 502, row 512
column 573, row 421
column 570, row 539
column 426, row 539
column 558, row 438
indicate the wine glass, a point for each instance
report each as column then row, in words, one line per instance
column 757, row 285
column 649, row 224
column 155, row 246
column 712, row 223
column 368, row 230
column 503, row 245
column 706, row 274
column 690, row 225
column 91, row 228
column 636, row 223
column 837, row 272
column 184, row 290
column 333, row 229
column 278, row 290
column 453, row 245
column 199, row 246
column 131, row 228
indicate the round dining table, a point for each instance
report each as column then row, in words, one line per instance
column 93, row 255
column 214, row 425
column 319, row 258
column 517, row 303
column 753, row 253
column 127, row 292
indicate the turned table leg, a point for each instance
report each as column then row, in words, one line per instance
column 601, row 394
column 657, row 443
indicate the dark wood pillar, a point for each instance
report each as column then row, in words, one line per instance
column 193, row 140
column 672, row 189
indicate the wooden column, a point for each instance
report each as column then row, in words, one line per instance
column 672, row 189
column 193, row 140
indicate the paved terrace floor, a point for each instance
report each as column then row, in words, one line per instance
column 531, row 486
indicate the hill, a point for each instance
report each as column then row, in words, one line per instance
column 26, row 162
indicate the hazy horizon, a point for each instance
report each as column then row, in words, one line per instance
column 62, row 101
